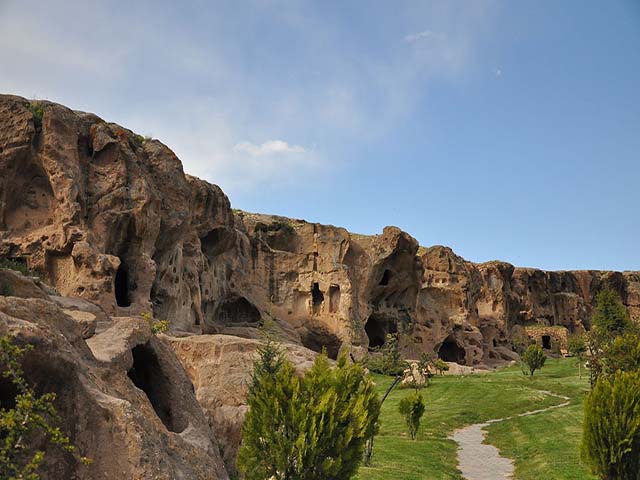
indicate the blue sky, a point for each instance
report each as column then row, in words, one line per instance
column 505, row 129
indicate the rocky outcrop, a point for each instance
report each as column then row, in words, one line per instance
column 116, row 228
column 123, row 396
column 110, row 217
column 220, row 368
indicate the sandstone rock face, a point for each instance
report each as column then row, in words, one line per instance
column 124, row 398
column 220, row 368
column 111, row 221
column 111, row 218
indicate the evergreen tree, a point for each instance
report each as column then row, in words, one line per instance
column 306, row 428
column 412, row 408
column 611, row 432
column 622, row 354
column 609, row 320
column 610, row 316
column 533, row 358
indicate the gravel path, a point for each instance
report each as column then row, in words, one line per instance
column 481, row 461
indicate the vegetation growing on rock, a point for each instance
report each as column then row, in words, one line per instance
column 24, row 419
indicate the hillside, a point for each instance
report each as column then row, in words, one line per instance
column 116, row 229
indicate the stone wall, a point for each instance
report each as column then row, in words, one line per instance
column 553, row 339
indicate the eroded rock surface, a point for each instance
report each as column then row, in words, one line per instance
column 112, row 223
column 220, row 368
column 110, row 217
column 123, row 396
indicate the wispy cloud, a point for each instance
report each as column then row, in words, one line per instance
column 424, row 35
column 267, row 148
column 329, row 89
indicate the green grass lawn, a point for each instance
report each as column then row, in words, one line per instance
column 543, row 446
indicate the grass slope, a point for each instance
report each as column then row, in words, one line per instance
column 543, row 446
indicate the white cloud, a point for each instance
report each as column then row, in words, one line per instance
column 205, row 140
column 424, row 35
column 267, row 148
column 498, row 72
column 327, row 91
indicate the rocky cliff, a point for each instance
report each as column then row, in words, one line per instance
column 110, row 221
column 109, row 216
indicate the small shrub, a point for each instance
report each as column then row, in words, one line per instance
column 412, row 408
column 17, row 266
column 37, row 111
column 6, row 290
column 157, row 326
column 275, row 226
column 611, row 432
column 388, row 361
column 142, row 139
column 441, row 366
column 33, row 417
column 533, row 358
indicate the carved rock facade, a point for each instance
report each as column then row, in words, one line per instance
column 110, row 217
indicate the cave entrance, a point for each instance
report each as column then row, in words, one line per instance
column 546, row 342
column 386, row 277
column 319, row 338
column 377, row 329
column 237, row 311
column 334, row 298
column 317, row 297
column 121, row 286
column 147, row 375
column 8, row 393
column 450, row 351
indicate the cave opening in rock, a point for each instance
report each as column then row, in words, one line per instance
column 450, row 351
column 8, row 393
column 546, row 342
column 386, row 277
column 334, row 298
column 146, row 374
column 121, row 286
column 237, row 311
column 377, row 328
column 317, row 297
column 495, row 343
column 319, row 338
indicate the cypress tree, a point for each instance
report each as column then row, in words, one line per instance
column 611, row 435
column 412, row 408
column 609, row 320
column 306, row 428
column 610, row 316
